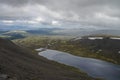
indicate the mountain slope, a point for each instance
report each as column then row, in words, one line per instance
column 101, row 47
column 20, row 64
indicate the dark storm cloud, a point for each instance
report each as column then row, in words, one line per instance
column 99, row 13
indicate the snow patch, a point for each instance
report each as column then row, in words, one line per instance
column 94, row 38
column 115, row 38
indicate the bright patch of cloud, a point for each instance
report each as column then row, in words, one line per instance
column 8, row 21
column 104, row 16
column 39, row 19
column 55, row 23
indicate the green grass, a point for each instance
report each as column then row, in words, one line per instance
column 62, row 43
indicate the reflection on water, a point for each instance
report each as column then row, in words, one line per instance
column 94, row 67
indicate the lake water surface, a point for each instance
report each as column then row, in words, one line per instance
column 94, row 67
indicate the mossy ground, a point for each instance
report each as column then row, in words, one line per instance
column 64, row 44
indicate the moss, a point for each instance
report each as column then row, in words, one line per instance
column 63, row 44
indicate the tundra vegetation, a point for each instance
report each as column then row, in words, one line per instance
column 104, row 49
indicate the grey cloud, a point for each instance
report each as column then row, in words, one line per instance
column 101, row 13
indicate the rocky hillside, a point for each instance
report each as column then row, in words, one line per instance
column 108, row 47
column 17, row 63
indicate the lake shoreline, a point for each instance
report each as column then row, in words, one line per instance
column 61, row 57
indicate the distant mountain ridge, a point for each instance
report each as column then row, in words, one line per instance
column 57, row 31
column 107, row 32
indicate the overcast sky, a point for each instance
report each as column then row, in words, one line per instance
column 97, row 14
